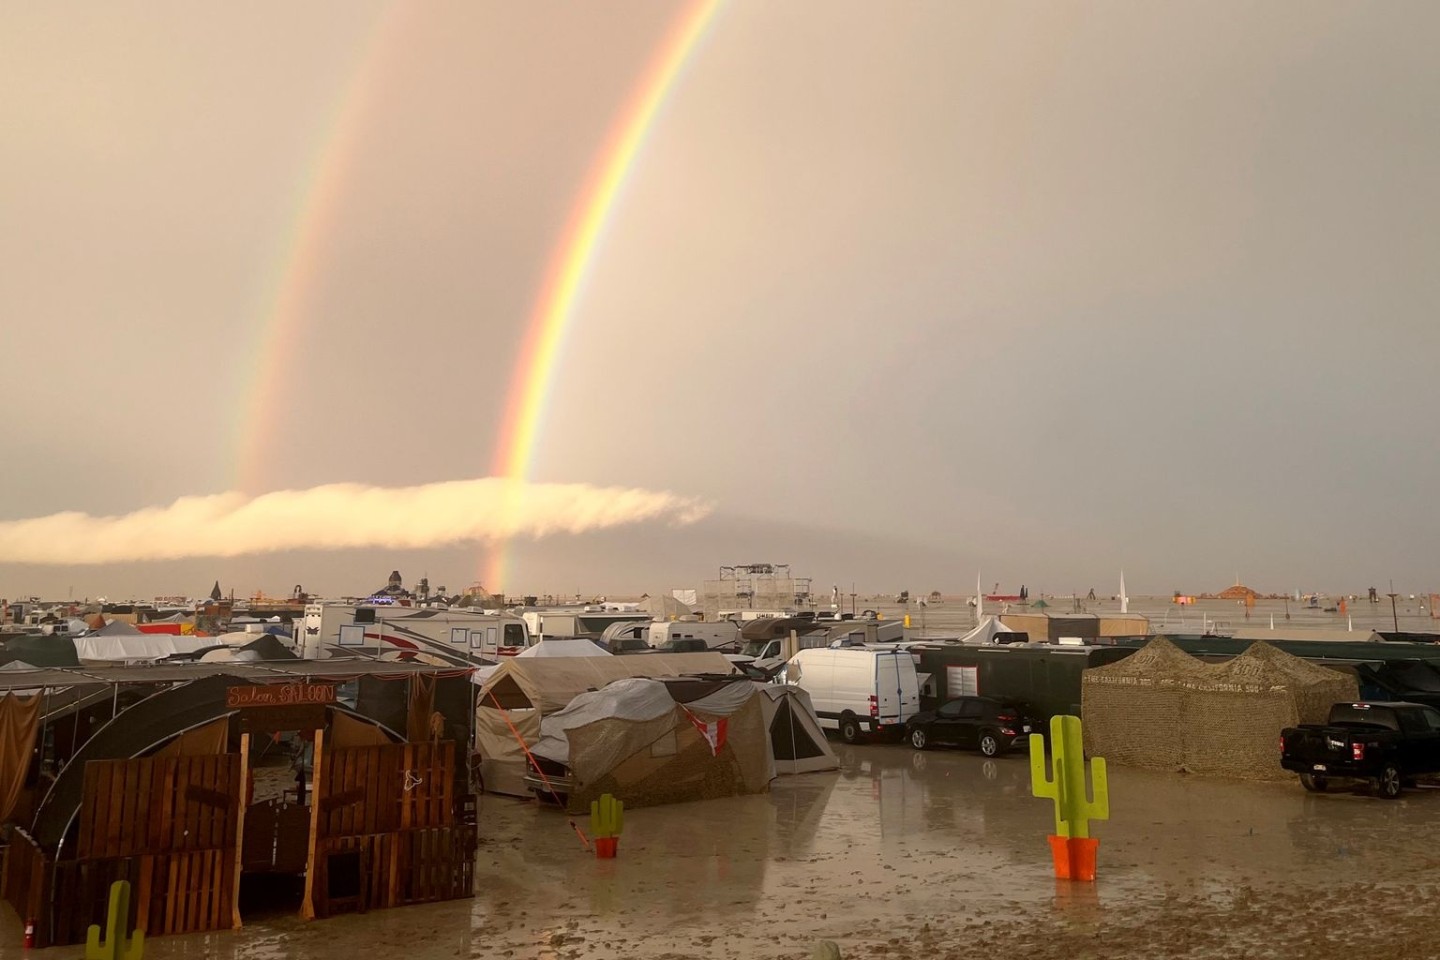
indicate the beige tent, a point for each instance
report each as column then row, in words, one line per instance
column 1162, row 708
column 796, row 741
column 522, row 691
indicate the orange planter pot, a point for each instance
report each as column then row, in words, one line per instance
column 606, row 847
column 1073, row 857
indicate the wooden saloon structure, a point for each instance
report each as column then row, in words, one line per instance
column 162, row 794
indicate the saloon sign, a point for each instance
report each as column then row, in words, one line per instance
column 280, row 695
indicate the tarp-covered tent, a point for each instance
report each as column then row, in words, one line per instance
column 518, row 694
column 797, row 743
column 1163, row 708
column 633, row 740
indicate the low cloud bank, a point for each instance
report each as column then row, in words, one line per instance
column 340, row 516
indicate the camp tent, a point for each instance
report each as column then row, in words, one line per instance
column 797, row 743
column 647, row 741
column 563, row 647
column 118, row 640
column 517, row 695
column 1163, row 708
column 666, row 607
column 988, row 631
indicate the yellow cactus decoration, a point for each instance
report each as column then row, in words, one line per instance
column 607, row 816
column 1066, row 784
column 115, row 946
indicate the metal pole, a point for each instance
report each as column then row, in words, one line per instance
column 1394, row 617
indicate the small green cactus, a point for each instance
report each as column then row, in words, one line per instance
column 115, row 946
column 607, row 816
column 1066, row 785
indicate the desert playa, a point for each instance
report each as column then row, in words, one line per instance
column 908, row 854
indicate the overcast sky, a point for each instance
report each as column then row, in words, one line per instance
column 904, row 290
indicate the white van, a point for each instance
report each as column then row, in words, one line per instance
column 858, row 690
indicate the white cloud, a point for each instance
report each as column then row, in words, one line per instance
column 340, row 516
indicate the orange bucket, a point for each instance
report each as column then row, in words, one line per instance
column 605, row 847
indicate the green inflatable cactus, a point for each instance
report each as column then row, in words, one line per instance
column 115, row 946
column 607, row 816
column 1066, row 785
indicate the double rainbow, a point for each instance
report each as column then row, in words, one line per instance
column 323, row 188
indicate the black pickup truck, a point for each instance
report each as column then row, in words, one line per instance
column 1388, row 744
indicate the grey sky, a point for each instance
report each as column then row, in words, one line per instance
column 905, row 289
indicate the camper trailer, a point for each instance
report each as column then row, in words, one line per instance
column 586, row 623
column 339, row 630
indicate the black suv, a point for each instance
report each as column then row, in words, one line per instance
column 992, row 726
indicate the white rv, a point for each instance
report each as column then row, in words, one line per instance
column 339, row 630
column 858, row 690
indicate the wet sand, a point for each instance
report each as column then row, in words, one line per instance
column 907, row 854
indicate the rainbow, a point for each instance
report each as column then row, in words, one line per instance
column 571, row 261
column 299, row 259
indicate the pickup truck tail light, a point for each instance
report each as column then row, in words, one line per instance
column 1357, row 751
column 874, row 706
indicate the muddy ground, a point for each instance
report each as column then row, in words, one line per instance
column 903, row 854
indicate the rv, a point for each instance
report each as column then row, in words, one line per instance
column 341, row 630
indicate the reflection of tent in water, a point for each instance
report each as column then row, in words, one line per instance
column 1163, row 708
column 797, row 743
column 649, row 742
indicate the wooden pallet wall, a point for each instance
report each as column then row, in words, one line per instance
column 390, row 811
column 401, row 786
column 159, row 805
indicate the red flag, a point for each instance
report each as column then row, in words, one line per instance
column 714, row 733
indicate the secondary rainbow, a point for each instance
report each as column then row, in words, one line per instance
column 570, row 264
column 300, row 257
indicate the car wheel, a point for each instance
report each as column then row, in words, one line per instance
column 1313, row 783
column 1389, row 783
column 989, row 744
column 849, row 729
column 917, row 738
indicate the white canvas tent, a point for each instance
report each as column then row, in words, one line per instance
column 986, row 632
column 563, row 647
column 121, row 641
column 797, row 744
